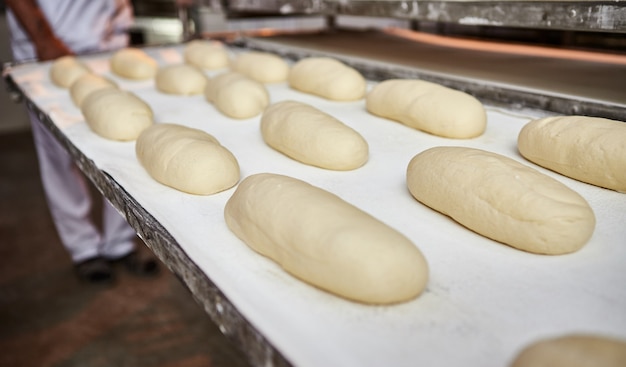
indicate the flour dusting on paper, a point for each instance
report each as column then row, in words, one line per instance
column 171, row 56
column 99, row 66
column 61, row 117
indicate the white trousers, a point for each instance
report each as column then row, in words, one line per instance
column 70, row 203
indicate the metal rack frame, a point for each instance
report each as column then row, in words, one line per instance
column 597, row 16
column 486, row 91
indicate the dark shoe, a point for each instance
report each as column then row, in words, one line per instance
column 95, row 270
column 138, row 264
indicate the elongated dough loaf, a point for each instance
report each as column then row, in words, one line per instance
column 588, row 149
column 502, row 199
column 575, row 350
column 115, row 114
column 236, row 95
column 208, row 55
column 325, row 241
column 186, row 159
column 180, row 79
column 327, row 78
column 306, row 134
column 65, row 70
column 133, row 63
column 429, row 107
column 263, row 67
column 87, row 84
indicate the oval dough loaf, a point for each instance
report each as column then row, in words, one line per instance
column 236, row 95
column 133, row 63
column 87, row 84
column 263, row 67
column 208, row 55
column 429, row 107
column 180, row 79
column 115, row 114
column 501, row 199
column 574, row 351
column 186, row 159
column 327, row 78
column 588, row 149
column 65, row 70
column 311, row 136
column 325, row 241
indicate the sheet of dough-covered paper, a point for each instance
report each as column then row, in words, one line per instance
column 484, row 301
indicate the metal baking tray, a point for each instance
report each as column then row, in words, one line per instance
column 484, row 301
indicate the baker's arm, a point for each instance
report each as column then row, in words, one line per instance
column 47, row 45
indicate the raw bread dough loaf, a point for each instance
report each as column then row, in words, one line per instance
column 325, row 241
column 588, row 149
column 186, row 159
column 208, row 55
column 327, row 78
column 263, row 67
column 501, row 199
column 180, row 79
column 306, row 134
column 87, row 84
column 429, row 107
column 65, row 70
column 133, row 63
column 115, row 114
column 574, row 351
column 236, row 95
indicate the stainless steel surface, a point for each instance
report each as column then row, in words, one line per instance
column 605, row 16
column 279, row 7
column 514, row 80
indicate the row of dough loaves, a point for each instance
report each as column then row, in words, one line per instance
column 186, row 159
column 95, row 95
column 418, row 104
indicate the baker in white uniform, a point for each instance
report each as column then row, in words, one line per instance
column 45, row 30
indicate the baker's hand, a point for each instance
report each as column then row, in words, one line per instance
column 33, row 21
column 51, row 49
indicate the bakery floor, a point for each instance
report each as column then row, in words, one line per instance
column 49, row 318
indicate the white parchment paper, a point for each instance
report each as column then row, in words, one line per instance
column 484, row 301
